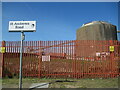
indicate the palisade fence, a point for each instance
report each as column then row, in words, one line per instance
column 1, row 61
column 62, row 59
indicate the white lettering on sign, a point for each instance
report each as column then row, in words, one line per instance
column 18, row 26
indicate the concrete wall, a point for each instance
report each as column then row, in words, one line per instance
column 97, row 31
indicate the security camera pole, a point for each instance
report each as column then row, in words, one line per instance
column 22, row 26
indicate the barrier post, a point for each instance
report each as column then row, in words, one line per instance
column 39, row 64
column 2, row 58
column 111, row 47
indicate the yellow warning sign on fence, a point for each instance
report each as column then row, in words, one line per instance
column 2, row 49
column 111, row 48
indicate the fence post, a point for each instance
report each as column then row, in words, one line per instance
column 39, row 64
column 112, row 58
column 2, row 58
column 0, row 63
column 119, row 65
column 74, row 61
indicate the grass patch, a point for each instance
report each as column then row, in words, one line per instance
column 80, row 83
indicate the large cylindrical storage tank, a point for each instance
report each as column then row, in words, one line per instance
column 91, row 38
column 97, row 30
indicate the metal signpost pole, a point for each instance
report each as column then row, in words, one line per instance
column 21, row 50
column 22, row 26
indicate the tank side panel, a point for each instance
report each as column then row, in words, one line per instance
column 97, row 32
